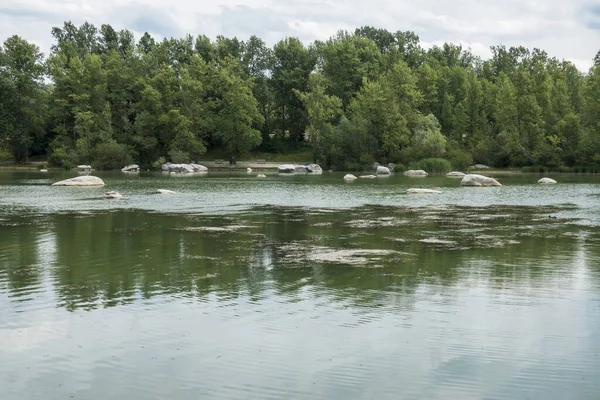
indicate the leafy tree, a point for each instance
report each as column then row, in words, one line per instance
column 22, row 97
column 322, row 111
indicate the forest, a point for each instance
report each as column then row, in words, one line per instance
column 103, row 98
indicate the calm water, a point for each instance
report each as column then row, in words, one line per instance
column 299, row 287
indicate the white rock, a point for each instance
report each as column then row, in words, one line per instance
column 381, row 170
column 287, row 168
column 423, row 191
column 349, row 177
column 415, row 172
column 314, row 169
column 547, row 181
column 87, row 180
column 479, row 166
column 367, row 176
column 199, row 168
column 84, row 168
column 261, row 176
column 164, row 191
column 43, row 170
column 478, row 180
column 112, row 195
column 131, row 168
column 455, row 174
column 248, row 169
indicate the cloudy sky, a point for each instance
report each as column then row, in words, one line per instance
column 564, row 28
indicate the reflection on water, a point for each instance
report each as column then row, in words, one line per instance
column 497, row 302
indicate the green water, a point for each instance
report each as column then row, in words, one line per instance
column 299, row 287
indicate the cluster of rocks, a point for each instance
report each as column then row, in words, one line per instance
column 183, row 168
column 300, row 169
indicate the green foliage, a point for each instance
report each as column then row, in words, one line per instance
column 360, row 97
column 5, row 155
column 176, row 157
column 432, row 165
column 110, row 155
column 158, row 162
column 61, row 157
column 460, row 159
column 399, row 168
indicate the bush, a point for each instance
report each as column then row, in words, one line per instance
column 590, row 168
column 354, row 166
column 179, row 157
column 460, row 159
column 110, row 155
column 60, row 157
column 159, row 162
column 6, row 155
column 535, row 168
column 433, row 165
column 399, row 168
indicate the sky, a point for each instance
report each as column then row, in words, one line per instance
column 568, row 29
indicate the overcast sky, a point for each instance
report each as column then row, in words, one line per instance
column 564, row 28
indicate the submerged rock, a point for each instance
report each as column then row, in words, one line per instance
column 261, row 176
column 349, row 177
column 478, row 180
column 415, row 172
column 367, row 176
column 381, row 170
column 131, row 168
column 547, row 181
column 248, row 169
column 287, row 168
column 164, row 191
column 81, row 181
column 455, row 174
column 112, row 195
column 423, row 191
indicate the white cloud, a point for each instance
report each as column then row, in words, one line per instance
column 568, row 30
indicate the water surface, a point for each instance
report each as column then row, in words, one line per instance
column 299, row 287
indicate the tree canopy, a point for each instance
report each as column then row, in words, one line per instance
column 370, row 95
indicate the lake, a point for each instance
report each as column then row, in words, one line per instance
column 299, row 287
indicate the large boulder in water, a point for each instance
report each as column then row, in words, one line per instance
column 478, row 180
column 81, row 181
column 131, row 168
column 547, row 181
column 455, row 174
column 349, row 177
column 84, row 168
column 381, row 170
column 368, row 176
column 415, row 172
column 287, row 168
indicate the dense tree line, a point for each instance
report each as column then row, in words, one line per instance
column 372, row 95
